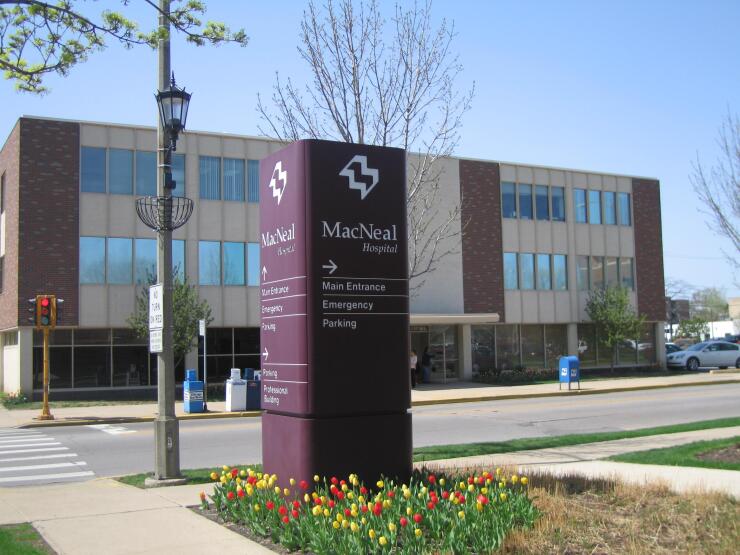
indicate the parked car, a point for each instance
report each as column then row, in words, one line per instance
column 671, row 348
column 707, row 353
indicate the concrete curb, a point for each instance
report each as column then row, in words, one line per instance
column 446, row 401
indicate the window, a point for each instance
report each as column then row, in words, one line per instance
column 233, row 263
column 92, row 170
column 594, row 207
column 556, row 344
column 525, row 201
column 507, row 346
column 612, row 277
column 542, row 203
column 178, row 258
column 610, row 208
column 178, row 175
column 624, row 209
column 558, row 203
column 483, row 348
column 579, row 205
column 253, row 263
column 626, row 273
column 120, row 171
column 119, row 261
column 510, row 271
column 559, row 272
column 233, row 179
column 253, row 180
column 526, row 271
column 582, row 273
column 597, row 272
column 146, row 173
column 92, row 260
column 587, row 344
column 145, row 261
column 210, row 178
column 209, row 263
column 508, row 200
column 533, row 346
column 543, row 272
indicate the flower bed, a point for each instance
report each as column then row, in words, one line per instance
column 433, row 513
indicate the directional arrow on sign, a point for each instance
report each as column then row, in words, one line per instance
column 266, row 353
column 330, row 266
column 264, row 272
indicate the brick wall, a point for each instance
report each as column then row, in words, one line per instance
column 48, row 239
column 648, row 249
column 482, row 253
column 9, row 158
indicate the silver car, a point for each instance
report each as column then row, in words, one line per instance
column 709, row 353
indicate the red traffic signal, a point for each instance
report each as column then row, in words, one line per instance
column 46, row 311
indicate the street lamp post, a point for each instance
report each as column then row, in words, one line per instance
column 165, row 213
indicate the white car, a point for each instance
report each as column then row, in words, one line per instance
column 709, row 353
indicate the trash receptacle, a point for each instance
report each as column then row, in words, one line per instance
column 249, row 374
column 236, row 392
column 192, row 392
column 569, row 371
column 254, row 392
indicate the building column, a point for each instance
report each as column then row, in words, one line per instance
column 660, row 344
column 465, row 351
column 25, row 360
column 573, row 339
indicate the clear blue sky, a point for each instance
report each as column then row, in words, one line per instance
column 627, row 87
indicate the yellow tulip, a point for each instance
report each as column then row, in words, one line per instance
column 461, row 514
column 350, row 495
column 382, row 540
column 223, row 479
column 391, row 527
column 498, row 471
column 327, row 512
column 278, row 490
column 386, row 503
column 471, row 488
column 353, row 527
column 409, row 511
column 225, row 468
column 238, row 480
column 502, row 484
column 316, row 510
column 335, row 525
column 461, row 485
column 379, row 483
column 256, row 508
column 250, row 472
column 306, row 497
column 344, row 487
column 354, row 513
column 514, row 478
column 455, row 501
column 484, row 490
column 417, row 533
column 479, row 506
column 424, row 489
column 407, row 493
column 243, row 473
column 363, row 520
column 214, row 476
column 524, row 480
column 503, row 496
column 316, row 478
column 361, row 498
column 345, row 524
column 340, row 518
column 286, row 492
column 442, row 482
column 292, row 481
column 371, row 534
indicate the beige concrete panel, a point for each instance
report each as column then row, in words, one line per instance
column 527, row 236
column 598, row 242
column 235, row 221
column 546, row 302
column 121, row 137
column 257, row 150
column 557, row 178
column 508, row 173
column 559, row 237
column 93, row 135
column 142, row 231
column 253, row 307
column 191, row 260
column 513, row 307
column 192, row 177
column 147, row 140
column 594, row 181
column 624, row 184
column 561, row 301
column 578, row 180
column 253, row 222
column 93, row 214
column 209, row 145
column 544, row 237
column 626, row 241
column 232, row 147
column 510, row 234
column 122, row 216
column 633, row 299
column 93, row 305
column 611, row 236
column 235, row 306
column 213, row 295
column 181, row 233
column 210, row 220
column 541, row 176
column 583, row 238
column 121, row 304
column 524, row 174
column 610, row 182
column 530, row 307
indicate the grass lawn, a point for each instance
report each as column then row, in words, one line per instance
column 194, row 476
column 62, row 404
column 22, row 539
column 436, row 452
column 685, row 455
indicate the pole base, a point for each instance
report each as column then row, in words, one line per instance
column 154, row 483
column 44, row 417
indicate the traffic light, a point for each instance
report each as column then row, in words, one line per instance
column 32, row 310
column 46, row 311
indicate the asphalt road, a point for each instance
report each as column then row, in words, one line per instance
column 128, row 448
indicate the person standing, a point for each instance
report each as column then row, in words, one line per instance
column 412, row 363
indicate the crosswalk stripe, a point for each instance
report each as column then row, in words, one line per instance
column 39, row 477
column 20, row 433
column 43, row 466
column 26, row 438
column 34, row 444
column 34, row 450
column 40, row 457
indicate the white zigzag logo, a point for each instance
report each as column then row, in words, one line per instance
column 278, row 175
column 365, row 171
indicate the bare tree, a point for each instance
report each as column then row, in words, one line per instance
column 678, row 288
column 394, row 88
column 719, row 187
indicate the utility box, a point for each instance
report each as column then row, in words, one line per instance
column 254, row 392
column 236, row 392
column 569, row 371
column 192, row 391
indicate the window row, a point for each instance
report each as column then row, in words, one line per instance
column 226, row 263
column 535, row 271
column 540, row 201
column 593, row 352
column 123, row 260
column 125, row 172
column 225, row 178
column 597, row 272
column 597, row 207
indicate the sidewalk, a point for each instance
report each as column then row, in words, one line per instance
column 104, row 516
column 427, row 394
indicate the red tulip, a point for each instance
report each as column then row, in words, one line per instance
column 234, row 472
column 363, row 490
column 391, row 494
column 296, row 505
column 286, row 519
column 445, row 494
column 330, row 503
column 294, row 513
column 470, row 480
column 317, row 500
column 403, row 522
column 347, row 512
column 430, row 505
column 377, row 509
column 304, row 485
column 270, row 505
column 363, row 508
column 342, row 482
column 240, row 493
column 417, row 518
column 432, row 479
column 340, row 495
column 283, row 510
column 230, row 496
column 333, row 489
column 334, row 480
column 482, row 499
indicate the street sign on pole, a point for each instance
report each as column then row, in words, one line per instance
column 155, row 341
column 202, row 328
column 202, row 333
column 156, row 308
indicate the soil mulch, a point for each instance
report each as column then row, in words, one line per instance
column 729, row 454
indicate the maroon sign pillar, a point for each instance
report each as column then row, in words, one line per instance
column 334, row 312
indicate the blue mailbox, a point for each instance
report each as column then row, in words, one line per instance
column 569, row 370
column 254, row 390
column 192, row 391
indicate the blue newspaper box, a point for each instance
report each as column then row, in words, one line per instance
column 249, row 373
column 569, row 370
column 192, row 391
column 254, row 392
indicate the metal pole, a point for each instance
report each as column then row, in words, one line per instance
column 45, row 413
column 166, row 429
column 205, row 372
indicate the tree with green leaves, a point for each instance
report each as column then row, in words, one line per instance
column 617, row 321
column 695, row 327
column 188, row 309
column 38, row 38
column 709, row 304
